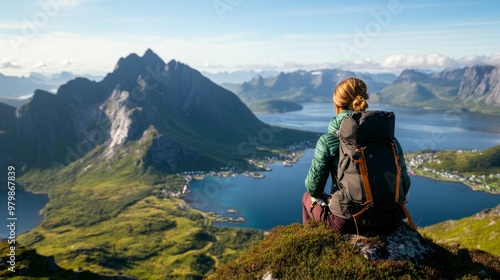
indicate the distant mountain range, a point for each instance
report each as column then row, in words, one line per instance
column 475, row 88
column 146, row 113
column 238, row 77
column 16, row 91
column 306, row 86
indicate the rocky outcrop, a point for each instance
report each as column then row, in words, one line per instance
column 402, row 244
column 165, row 151
column 470, row 81
column 314, row 251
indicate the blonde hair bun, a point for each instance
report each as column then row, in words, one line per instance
column 351, row 94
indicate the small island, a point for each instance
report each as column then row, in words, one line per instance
column 480, row 170
column 229, row 220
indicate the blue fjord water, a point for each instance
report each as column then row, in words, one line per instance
column 276, row 199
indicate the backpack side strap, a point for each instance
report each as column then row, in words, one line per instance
column 398, row 178
column 398, row 171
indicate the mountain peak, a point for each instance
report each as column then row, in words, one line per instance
column 149, row 58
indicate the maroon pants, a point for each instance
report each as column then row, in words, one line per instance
column 323, row 214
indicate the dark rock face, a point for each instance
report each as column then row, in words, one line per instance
column 475, row 81
column 164, row 150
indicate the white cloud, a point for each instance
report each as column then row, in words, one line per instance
column 394, row 63
column 68, row 62
column 414, row 61
column 42, row 65
column 63, row 51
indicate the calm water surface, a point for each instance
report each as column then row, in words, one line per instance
column 28, row 206
column 275, row 200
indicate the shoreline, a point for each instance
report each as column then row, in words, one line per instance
column 417, row 166
column 287, row 160
column 39, row 214
column 472, row 186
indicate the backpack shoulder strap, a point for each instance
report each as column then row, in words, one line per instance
column 363, row 170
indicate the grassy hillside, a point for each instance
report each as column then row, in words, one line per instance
column 128, row 223
column 422, row 94
column 476, row 232
column 31, row 264
column 315, row 252
column 487, row 161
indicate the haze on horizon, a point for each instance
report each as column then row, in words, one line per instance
column 89, row 36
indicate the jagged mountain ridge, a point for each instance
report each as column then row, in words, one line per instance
column 162, row 114
column 17, row 91
column 475, row 88
column 305, row 86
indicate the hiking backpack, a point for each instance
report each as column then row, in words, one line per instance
column 369, row 186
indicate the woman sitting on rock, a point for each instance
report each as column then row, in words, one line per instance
column 350, row 96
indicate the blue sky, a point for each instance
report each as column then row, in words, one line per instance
column 89, row 36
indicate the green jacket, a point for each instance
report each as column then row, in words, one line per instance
column 325, row 160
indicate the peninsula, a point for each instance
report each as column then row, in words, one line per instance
column 480, row 170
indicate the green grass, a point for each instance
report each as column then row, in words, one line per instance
column 31, row 265
column 470, row 232
column 120, row 222
column 487, row 161
column 314, row 251
column 108, row 214
column 128, row 228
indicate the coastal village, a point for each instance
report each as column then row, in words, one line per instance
column 418, row 165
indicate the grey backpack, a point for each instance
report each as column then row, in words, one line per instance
column 369, row 175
